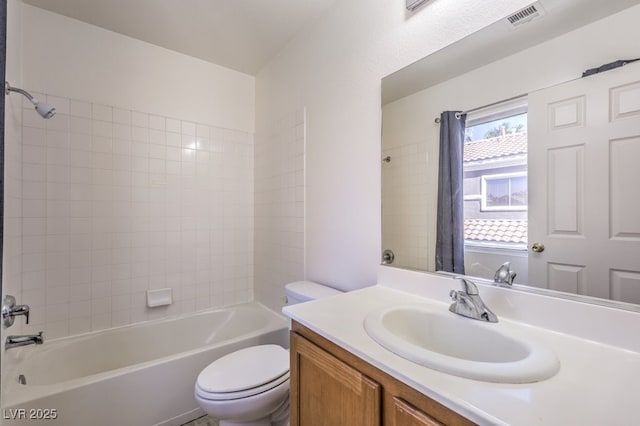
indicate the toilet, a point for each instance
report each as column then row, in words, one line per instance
column 250, row 387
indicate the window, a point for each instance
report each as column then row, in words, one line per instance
column 495, row 178
column 504, row 192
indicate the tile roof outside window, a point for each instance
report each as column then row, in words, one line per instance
column 500, row 146
column 496, row 230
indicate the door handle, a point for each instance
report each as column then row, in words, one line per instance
column 537, row 247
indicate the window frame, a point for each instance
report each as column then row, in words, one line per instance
column 483, row 193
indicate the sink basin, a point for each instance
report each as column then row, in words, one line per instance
column 491, row 352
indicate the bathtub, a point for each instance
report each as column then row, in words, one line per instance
column 142, row 374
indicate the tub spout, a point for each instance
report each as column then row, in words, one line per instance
column 29, row 339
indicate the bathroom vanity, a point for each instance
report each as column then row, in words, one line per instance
column 333, row 384
column 341, row 375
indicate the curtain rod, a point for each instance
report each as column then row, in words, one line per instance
column 459, row 113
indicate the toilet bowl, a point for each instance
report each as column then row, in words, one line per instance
column 250, row 387
column 247, row 387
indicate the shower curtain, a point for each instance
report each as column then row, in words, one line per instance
column 450, row 217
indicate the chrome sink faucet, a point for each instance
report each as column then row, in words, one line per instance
column 29, row 339
column 504, row 274
column 469, row 304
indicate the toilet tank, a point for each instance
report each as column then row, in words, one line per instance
column 304, row 291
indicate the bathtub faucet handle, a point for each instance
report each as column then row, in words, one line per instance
column 11, row 310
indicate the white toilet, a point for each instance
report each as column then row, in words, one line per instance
column 250, row 387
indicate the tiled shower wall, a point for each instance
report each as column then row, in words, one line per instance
column 405, row 195
column 116, row 202
column 12, row 231
column 279, row 207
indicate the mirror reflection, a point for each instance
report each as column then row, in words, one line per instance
column 548, row 174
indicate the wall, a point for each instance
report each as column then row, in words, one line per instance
column 143, row 179
column 333, row 69
column 279, row 207
column 552, row 62
column 117, row 202
column 12, row 250
column 66, row 57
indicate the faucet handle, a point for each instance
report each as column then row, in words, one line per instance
column 469, row 286
column 7, row 306
column 10, row 310
column 454, row 295
column 22, row 310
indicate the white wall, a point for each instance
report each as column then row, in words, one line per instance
column 142, row 180
column 334, row 69
column 66, row 57
column 12, row 250
column 555, row 61
column 279, row 208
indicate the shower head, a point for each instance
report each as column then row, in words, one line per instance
column 43, row 109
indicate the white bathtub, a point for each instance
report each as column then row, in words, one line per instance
column 141, row 374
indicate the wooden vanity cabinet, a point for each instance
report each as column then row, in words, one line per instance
column 332, row 387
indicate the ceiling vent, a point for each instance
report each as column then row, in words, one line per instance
column 414, row 4
column 526, row 15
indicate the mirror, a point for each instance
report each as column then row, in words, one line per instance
column 500, row 72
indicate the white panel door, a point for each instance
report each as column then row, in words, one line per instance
column 584, row 185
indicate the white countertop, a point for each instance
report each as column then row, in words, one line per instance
column 598, row 382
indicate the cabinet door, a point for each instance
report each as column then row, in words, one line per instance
column 327, row 392
column 405, row 414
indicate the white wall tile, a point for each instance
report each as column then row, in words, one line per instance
column 279, row 208
column 122, row 116
column 102, row 128
column 78, row 158
column 34, row 154
column 140, row 134
column 188, row 128
column 139, row 149
column 101, row 144
column 174, row 139
column 121, row 146
column 157, row 151
column 30, row 118
column 157, row 122
column 202, row 131
column 33, row 136
column 189, row 141
column 173, row 167
column 80, row 141
column 79, row 109
column 34, row 190
column 122, row 131
column 34, row 208
column 57, row 156
column 115, row 202
column 60, row 104
column 59, row 122
column 102, row 112
column 33, row 172
column 140, row 119
column 57, row 139
column 157, row 137
column 173, row 126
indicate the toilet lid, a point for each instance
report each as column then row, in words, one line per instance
column 244, row 369
column 226, row 396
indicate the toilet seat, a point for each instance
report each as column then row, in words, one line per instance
column 226, row 396
column 244, row 373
